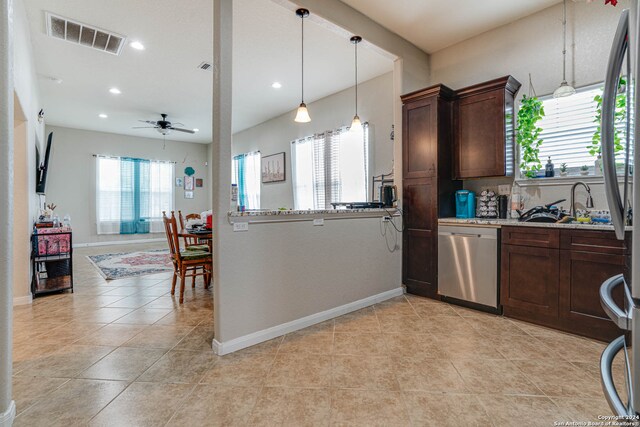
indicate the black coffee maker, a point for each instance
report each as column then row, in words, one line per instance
column 388, row 195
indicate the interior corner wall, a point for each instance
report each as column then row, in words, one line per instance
column 375, row 105
column 534, row 45
column 71, row 182
column 29, row 133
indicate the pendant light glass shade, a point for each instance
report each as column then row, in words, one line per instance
column 302, row 115
column 356, row 124
column 565, row 88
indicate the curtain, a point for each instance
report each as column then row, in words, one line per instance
column 330, row 167
column 131, row 194
column 246, row 168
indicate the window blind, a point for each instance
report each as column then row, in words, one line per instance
column 568, row 126
column 330, row 167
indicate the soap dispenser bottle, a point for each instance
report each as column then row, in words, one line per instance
column 549, row 169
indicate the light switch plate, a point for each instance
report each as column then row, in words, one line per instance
column 318, row 221
column 240, row 226
column 504, row 190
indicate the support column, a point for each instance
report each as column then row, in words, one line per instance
column 221, row 150
column 7, row 405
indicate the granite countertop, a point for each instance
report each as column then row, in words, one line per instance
column 495, row 222
column 293, row 212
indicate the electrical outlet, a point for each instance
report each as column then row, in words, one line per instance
column 504, row 190
column 240, row 226
column 318, row 221
column 386, row 218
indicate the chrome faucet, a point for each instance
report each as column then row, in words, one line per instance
column 589, row 204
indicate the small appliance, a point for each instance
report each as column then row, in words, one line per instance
column 388, row 195
column 465, row 204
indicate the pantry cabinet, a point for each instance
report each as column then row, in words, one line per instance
column 427, row 184
column 484, row 129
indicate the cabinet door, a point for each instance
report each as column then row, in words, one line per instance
column 529, row 282
column 581, row 274
column 480, row 147
column 419, row 137
column 419, row 204
column 419, row 262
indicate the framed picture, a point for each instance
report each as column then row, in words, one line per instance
column 273, row 168
column 188, row 183
column 188, row 194
column 179, row 182
column 199, row 182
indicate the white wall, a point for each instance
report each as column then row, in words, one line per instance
column 71, row 181
column 375, row 100
column 534, row 45
column 28, row 134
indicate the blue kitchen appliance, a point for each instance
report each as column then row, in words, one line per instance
column 465, row 204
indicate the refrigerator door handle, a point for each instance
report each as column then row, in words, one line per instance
column 606, row 378
column 621, row 318
column 614, row 68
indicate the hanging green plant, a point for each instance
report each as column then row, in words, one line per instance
column 528, row 135
column 620, row 115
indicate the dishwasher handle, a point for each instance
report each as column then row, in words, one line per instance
column 456, row 234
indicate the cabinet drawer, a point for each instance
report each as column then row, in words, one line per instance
column 604, row 242
column 530, row 236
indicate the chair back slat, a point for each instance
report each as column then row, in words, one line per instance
column 171, row 229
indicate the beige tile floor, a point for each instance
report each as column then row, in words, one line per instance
column 125, row 353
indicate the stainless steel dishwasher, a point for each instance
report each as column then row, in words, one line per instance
column 468, row 264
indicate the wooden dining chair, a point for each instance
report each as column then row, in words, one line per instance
column 192, row 243
column 186, row 263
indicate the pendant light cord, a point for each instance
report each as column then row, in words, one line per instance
column 564, row 40
column 302, row 69
column 356, row 57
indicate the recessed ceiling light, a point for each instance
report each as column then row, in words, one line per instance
column 137, row 45
column 276, row 85
column 196, row 130
column 102, row 116
column 115, row 91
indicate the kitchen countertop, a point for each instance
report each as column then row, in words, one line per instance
column 497, row 223
column 293, row 212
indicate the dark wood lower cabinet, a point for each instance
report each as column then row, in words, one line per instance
column 419, row 249
column 559, row 285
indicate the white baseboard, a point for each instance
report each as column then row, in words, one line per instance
column 119, row 242
column 7, row 417
column 23, row 300
column 226, row 347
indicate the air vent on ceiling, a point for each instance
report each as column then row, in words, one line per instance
column 206, row 66
column 84, row 35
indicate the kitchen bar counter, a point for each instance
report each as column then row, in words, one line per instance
column 495, row 222
column 273, row 216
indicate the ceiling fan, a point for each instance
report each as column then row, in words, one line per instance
column 163, row 126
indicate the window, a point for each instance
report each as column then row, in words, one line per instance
column 132, row 194
column 246, row 175
column 567, row 128
column 330, row 167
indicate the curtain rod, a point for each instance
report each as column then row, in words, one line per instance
column 119, row 157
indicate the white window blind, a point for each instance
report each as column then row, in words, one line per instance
column 154, row 188
column 567, row 128
column 330, row 167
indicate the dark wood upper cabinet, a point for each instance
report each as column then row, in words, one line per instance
column 484, row 129
column 427, row 185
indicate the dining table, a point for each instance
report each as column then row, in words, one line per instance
column 196, row 233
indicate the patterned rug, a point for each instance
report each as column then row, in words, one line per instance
column 132, row 264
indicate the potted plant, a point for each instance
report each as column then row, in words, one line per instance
column 528, row 135
column 584, row 170
column 563, row 169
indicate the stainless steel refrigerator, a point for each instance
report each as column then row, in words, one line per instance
column 623, row 197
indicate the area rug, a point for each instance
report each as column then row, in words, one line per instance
column 132, row 264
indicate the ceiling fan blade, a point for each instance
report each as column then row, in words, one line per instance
column 144, row 127
column 181, row 130
column 148, row 122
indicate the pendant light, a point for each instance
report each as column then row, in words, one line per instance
column 302, row 115
column 356, row 124
column 565, row 88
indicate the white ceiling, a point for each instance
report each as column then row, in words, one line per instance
column 164, row 78
column 432, row 25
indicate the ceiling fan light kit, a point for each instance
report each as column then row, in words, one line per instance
column 565, row 88
column 302, row 115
